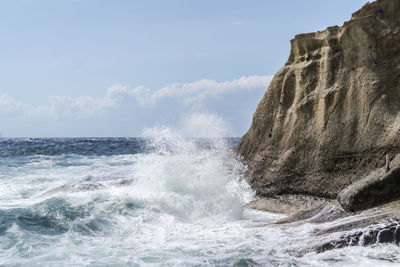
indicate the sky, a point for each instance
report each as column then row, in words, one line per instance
column 101, row 68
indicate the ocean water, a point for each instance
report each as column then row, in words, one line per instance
column 157, row 201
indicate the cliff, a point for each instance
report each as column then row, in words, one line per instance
column 331, row 114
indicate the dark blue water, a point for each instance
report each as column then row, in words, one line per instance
column 19, row 147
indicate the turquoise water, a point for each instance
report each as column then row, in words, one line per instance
column 160, row 201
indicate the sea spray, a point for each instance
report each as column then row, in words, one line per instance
column 196, row 177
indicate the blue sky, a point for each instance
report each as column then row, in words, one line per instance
column 112, row 68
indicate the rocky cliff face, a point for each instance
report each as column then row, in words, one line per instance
column 332, row 112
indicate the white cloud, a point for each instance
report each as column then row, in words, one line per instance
column 189, row 94
column 86, row 106
column 9, row 104
column 196, row 92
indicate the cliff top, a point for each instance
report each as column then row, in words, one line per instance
column 382, row 9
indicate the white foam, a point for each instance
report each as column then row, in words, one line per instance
column 184, row 179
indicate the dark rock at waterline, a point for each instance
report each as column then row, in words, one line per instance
column 397, row 235
column 385, row 236
column 376, row 234
column 368, row 238
column 365, row 228
column 331, row 115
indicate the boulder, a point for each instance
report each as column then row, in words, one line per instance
column 378, row 188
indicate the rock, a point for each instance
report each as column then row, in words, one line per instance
column 375, row 234
column 328, row 211
column 331, row 114
column 287, row 204
column 375, row 189
column 397, row 235
column 123, row 182
column 368, row 238
column 74, row 188
column 87, row 187
column 385, row 236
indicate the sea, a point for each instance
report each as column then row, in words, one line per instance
column 152, row 201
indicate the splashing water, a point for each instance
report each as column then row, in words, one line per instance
column 169, row 198
column 190, row 179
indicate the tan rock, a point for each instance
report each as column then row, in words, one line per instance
column 332, row 113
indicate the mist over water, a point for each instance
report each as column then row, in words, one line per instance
column 170, row 198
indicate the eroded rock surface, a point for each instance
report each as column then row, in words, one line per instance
column 333, row 228
column 385, row 232
column 332, row 113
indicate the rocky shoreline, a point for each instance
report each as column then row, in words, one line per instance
column 324, row 144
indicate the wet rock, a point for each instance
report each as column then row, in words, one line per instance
column 122, row 182
column 74, row 188
column 385, row 236
column 397, row 235
column 381, row 233
column 87, row 187
column 368, row 238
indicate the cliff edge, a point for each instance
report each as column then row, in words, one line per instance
column 331, row 114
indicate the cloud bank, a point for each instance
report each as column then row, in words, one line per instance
column 142, row 106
